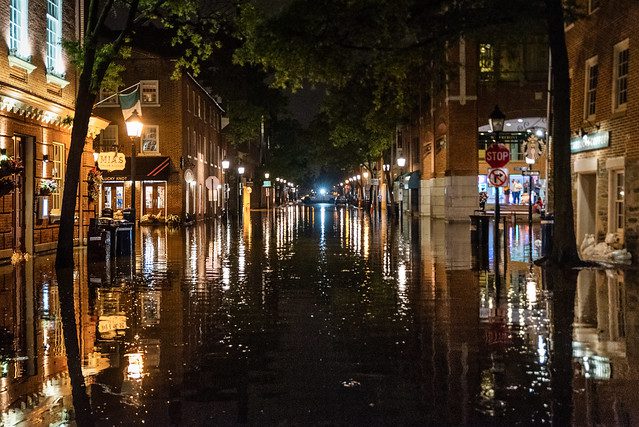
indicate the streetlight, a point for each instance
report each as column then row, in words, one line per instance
column 401, row 161
column 240, row 172
column 225, row 166
column 134, row 131
column 266, row 177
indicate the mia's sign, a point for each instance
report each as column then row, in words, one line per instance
column 111, row 161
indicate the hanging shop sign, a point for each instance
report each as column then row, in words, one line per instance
column 111, row 161
column 590, row 141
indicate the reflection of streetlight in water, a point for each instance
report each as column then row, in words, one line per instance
column 135, row 370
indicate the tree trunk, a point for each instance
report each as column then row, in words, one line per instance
column 564, row 246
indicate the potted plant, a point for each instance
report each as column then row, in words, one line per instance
column 47, row 186
column 7, row 185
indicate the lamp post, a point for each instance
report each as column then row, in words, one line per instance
column 134, row 131
column 530, row 162
column 266, row 177
column 496, row 121
column 240, row 206
column 401, row 162
column 225, row 166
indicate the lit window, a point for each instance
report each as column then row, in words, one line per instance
column 149, row 92
column 150, row 139
column 621, row 63
column 54, row 38
column 592, row 77
column 18, row 30
column 57, row 173
column 109, row 138
column 486, row 61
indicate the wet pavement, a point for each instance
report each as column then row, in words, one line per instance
column 321, row 316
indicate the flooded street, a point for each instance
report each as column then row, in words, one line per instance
column 321, row 315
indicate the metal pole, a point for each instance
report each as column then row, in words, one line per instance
column 530, row 212
column 496, row 242
column 133, row 202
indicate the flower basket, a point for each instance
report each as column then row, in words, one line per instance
column 94, row 182
column 47, row 186
column 9, row 166
column 6, row 186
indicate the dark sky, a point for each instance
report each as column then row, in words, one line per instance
column 305, row 104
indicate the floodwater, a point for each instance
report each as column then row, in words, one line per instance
column 319, row 316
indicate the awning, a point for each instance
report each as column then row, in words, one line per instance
column 409, row 180
column 147, row 168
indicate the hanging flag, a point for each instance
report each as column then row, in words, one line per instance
column 130, row 102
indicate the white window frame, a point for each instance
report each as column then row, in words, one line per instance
column 54, row 39
column 614, row 202
column 150, row 84
column 19, row 30
column 618, row 48
column 157, row 140
column 110, row 142
column 588, row 90
column 58, row 160
column 112, row 101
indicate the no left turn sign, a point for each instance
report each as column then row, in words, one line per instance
column 498, row 177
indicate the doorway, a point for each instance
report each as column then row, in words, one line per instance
column 113, row 196
column 153, row 202
column 23, row 195
column 586, row 205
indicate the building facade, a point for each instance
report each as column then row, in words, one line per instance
column 37, row 93
column 604, row 120
column 445, row 143
column 178, row 157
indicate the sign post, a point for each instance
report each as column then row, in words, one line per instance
column 497, row 156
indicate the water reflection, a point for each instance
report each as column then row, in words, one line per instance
column 320, row 315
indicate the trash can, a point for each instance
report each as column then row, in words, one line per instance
column 479, row 229
column 547, row 228
column 99, row 244
column 123, row 241
column 127, row 215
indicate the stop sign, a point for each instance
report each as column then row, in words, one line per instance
column 497, row 155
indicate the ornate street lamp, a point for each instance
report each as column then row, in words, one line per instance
column 134, row 127
column 496, row 120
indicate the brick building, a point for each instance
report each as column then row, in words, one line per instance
column 445, row 144
column 37, row 92
column 605, row 120
column 178, row 161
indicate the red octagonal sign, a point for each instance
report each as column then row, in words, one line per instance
column 497, row 155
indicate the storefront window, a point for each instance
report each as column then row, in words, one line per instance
column 619, row 200
column 148, row 197
column 160, row 197
column 108, row 197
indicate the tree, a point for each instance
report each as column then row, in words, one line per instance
column 397, row 50
column 95, row 56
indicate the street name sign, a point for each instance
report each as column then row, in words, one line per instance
column 530, row 173
column 498, row 177
column 497, row 155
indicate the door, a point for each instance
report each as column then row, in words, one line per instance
column 113, row 196
column 586, row 205
column 154, row 198
column 23, row 221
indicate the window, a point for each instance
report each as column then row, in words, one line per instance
column 188, row 100
column 57, row 173
column 54, row 38
column 617, row 220
column 486, row 61
column 150, row 139
column 149, row 92
column 107, row 97
column 18, row 30
column 620, row 78
column 592, row 76
column 109, row 137
column 593, row 5
column 199, row 106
